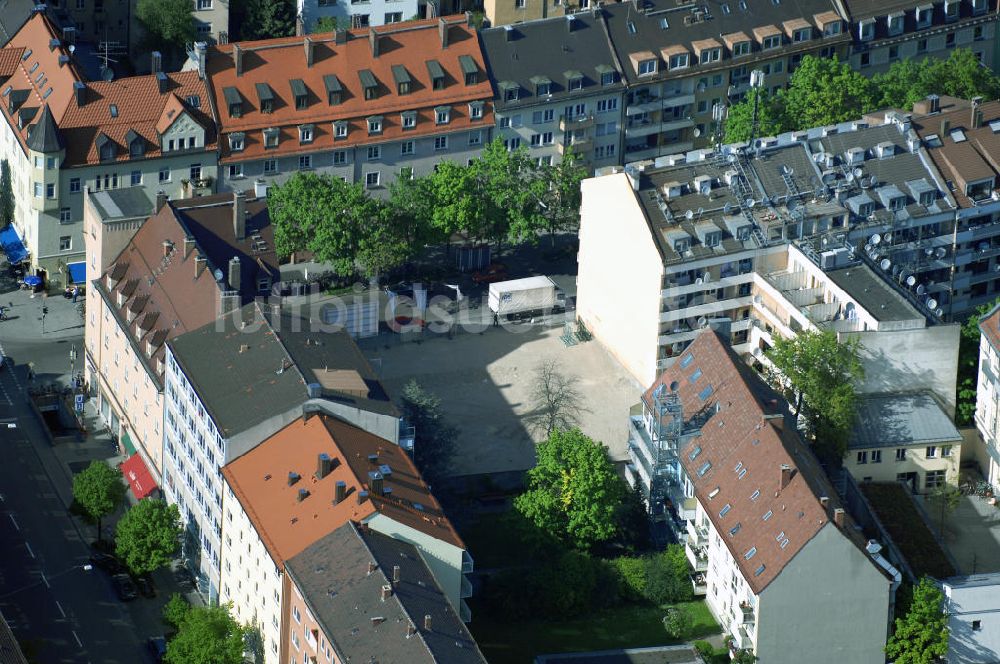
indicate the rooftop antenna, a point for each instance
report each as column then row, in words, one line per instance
column 756, row 84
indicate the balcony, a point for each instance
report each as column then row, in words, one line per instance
column 579, row 145
column 648, row 103
column 697, row 536
column 467, row 563
column 697, row 556
column 407, row 435
column 466, row 588
column 647, row 127
column 573, row 122
column 641, row 151
column 311, row 639
column 464, row 612
column 699, row 584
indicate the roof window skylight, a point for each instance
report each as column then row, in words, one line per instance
column 704, row 468
column 705, row 393
column 686, row 362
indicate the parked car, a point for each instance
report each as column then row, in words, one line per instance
column 145, row 585
column 124, row 587
column 490, row 274
column 157, row 646
column 107, row 562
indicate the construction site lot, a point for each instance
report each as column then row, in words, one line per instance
column 485, row 380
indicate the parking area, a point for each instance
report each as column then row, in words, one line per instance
column 485, row 381
column 972, row 535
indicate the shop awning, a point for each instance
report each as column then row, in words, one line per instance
column 13, row 247
column 127, row 442
column 77, row 272
column 138, row 477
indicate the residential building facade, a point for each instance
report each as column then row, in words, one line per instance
column 988, row 391
column 971, row 605
column 358, row 13
column 506, row 12
column 771, row 549
column 559, row 88
column 904, row 438
column 283, row 364
column 62, row 133
column 364, row 105
column 304, row 482
column 167, row 280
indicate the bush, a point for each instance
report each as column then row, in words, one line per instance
column 677, row 622
column 568, row 586
column 630, row 573
column 705, row 649
column 667, row 580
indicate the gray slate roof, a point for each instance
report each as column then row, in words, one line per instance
column 247, row 375
column 44, row 135
column 896, row 420
column 122, row 203
column 345, row 599
column 548, row 48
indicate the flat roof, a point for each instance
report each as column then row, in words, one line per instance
column 526, row 283
column 895, row 420
column 873, row 294
column 122, row 203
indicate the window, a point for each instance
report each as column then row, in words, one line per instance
column 372, row 179
column 750, row 553
column 934, row 479
column 862, row 457
column 195, row 172
column 340, row 129
column 406, row 147
column 607, row 105
column 440, row 143
column 773, row 41
column 64, row 215
column 65, row 243
column 931, row 452
column 374, row 152
column 876, row 456
column 393, row 17
column 866, row 60
column 710, row 55
column 725, row 509
column 50, row 190
column 476, row 110
column 476, row 137
column 946, row 451
column 270, row 138
column 511, row 144
column 805, row 34
column 949, row 40
column 135, row 178
column 374, row 125
column 270, row 166
column 977, row 625
column 442, row 114
column 305, row 162
column 519, row 4
column 235, row 171
column 306, row 134
column 339, row 157
column 647, row 67
column 741, row 48
column 921, row 46
column 406, row 173
column 900, row 454
column 74, row 185
column 164, row 175
column 408, row 119
column 237, row 141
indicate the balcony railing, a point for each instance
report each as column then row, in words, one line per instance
column 464, row 612
column 697, row 535
column 570, row 122
column 466, row 587
column 467, row 563
column 697, row 556
column 699, row 583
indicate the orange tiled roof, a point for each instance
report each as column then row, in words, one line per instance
column 276, row 62
column 263, row 482
column 989, row 326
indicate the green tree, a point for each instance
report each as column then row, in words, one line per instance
column 98, row 489
column 902, row 85
column 207, row 635
column 412, row 202
column 434, row 442
column 921, row 637
column 382, row 245
column 667, row 577
column 821, row 373
column 962, row 75
column 743, row 656
column 825, row 91
column 265, row 19
column 6, row 195
column 175, row 611
column 557, row 191
column 512, row 211
column 573, row 490
column 678, row 622
column 770, row 117
column 458, row 203
column 169, row 23
column 148, row 536
column 327, row 24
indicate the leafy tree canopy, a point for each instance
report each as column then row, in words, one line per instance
column 99, row 490
column 169, row 23
column 148, row 535
column 265, row 19
column 207, row 635
column 435, row 437
column 6, row 195
column 921, row 637
column 573, row 491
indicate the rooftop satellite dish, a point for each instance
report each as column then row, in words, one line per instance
column 921, row 289
column 887, row 237
column 701, row 211
column 911, row 280
column 885, row 264
column 941, row 252
column 107, row 74
column 72, row 49
column 702, row 322
column 929, row 251
column 689, row 215
column 674, row 385
column 786, row 169
column 217, row 274
column 696, row 133
column 750, row 203
column 875, row 239
column 932, row 303
column 857, row 172
column 727, row 208
column 849, row 177
column 939, row 312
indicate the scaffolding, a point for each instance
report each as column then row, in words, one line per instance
column 654, row 446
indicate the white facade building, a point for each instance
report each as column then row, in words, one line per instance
column 973, row 607
column 357, row 13
column 988, row 390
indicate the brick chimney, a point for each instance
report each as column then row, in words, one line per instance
column 235, row 275
column 395, row 573
column 443, row 32
column 339, row 492
column 238, row 59
column 161, row 200
column 308, row 45
column 427, row 622
column 240, row 215
column 838, row 517
column 373, row 41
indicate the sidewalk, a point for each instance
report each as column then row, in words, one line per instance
column 24, row 313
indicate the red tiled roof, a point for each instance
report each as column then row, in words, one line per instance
column 287, row 525
column 742, row 428
column 277, row 62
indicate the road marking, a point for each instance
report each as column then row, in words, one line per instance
column 59, row 606
column 28, row 547
column 14, row 521
column 46, row 581
column 78, row 642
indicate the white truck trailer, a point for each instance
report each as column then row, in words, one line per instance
column 524, row 298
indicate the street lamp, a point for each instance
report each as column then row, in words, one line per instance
column 72, row 362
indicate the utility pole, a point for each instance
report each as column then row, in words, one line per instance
column 72, row 363
column 45, row 312
column 756, row 85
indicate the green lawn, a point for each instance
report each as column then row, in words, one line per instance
column 628, row 626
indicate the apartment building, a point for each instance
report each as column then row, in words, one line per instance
column 988, row 391
column 771, row 549
column 234, row 382
column 380, row 576
column 559, row 87
column 359, row 13
column 885, row 32
column 973, row 628
column 806, row 231
column 62, row 133
column 172, row 276
column 681, row 61
column 506, row 12
column 904, row 438
column 365, row 105
column 302, row 483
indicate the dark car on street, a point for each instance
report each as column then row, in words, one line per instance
column 158, row 646
column 124, row 587
column 145, row 585
column 107, row 562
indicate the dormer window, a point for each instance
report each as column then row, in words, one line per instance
column 894, row 23
column 334, row 90
column 574, row 80
column 770, row 42
column 136, row 144
column 978, row 7
column 925, row 15
column 271, row 138
column 866, row 29
column 300, row 93
column 710, row 55
column 402, row 79
column 442, row 115
column 607, row 74
column 340, row 129
column 510, row 90
column 802, row 35
column 408, row 119
column 476, row 110
column 927, row 198
column 305, row 133
column 233, row 101
column 368, row 83
column 831, row 29
column 266, row 97
column 237, row 141
column 470, row 70
column 436, row 73
column 543, row 86
column 375, row 125
column 951, row 9
column 647, row 67
column 106, row 148
column 741, row 48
